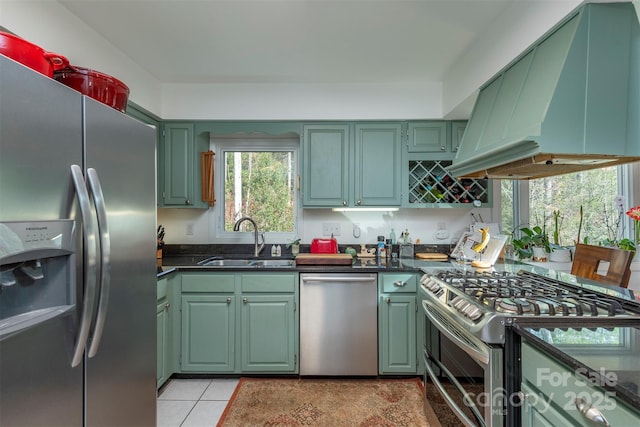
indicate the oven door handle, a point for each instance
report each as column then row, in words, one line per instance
column 475, row 352
column 445, row 395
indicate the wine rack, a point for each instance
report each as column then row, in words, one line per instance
column 429, row 182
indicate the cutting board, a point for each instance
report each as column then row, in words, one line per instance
column 432, row 256
column 324, row 259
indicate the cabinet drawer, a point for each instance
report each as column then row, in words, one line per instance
column 268, row 282
column 208, row 283
column 398, row 282
column 161, row 289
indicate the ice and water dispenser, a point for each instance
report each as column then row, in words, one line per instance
column 37, row 274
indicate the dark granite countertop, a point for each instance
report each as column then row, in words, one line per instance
column 609, row 358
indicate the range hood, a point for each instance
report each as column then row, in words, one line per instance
column 569, row 103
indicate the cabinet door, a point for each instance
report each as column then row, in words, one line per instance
column 178, row 156
column 208, row 333
column 457, row 131
column 397, row 331
column 377, row 164
column 428, row 137
column 162, row 327
column 537, row 412
column 325, row 165
column 268, row 333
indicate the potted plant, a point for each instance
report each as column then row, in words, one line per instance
column 558, row 252
column 534, row 243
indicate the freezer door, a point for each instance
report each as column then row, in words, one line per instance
column 40, row 137
column 121, row 376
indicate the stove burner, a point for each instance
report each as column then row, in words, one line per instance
column 515, row 305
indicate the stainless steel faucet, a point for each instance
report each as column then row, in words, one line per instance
column 257, row 248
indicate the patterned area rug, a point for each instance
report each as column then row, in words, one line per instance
column 322, row 402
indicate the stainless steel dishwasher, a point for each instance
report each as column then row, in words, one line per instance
column 338, row 324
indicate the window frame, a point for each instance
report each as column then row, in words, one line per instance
column 222, row 145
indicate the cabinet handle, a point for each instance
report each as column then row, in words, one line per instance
column 228, row 300
column 358, row 202
column 166, row 306
column 388, row 300
column 244, row 300
column 589, row 412
column 187, row 202
column 399, row 283
column 443, row 148
column 344, row 203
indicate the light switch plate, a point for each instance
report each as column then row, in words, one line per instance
column 329, row 228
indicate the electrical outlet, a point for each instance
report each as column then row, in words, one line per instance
column 329, row 228
column 190, row 229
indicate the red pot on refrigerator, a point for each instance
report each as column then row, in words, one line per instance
column 99, row 86
column 31, row 55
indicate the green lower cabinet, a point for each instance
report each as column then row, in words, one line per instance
column 239, row 322
column 163, row 331
column 536, row 412
column 397, row 332
column 208, row 333
column 551, row 390
column 267, row 333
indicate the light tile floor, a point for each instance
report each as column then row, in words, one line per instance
column 194, row 402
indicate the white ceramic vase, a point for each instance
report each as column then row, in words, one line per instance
column 560, row 255
column 540, row 255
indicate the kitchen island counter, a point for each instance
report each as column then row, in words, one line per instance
column 606, row 358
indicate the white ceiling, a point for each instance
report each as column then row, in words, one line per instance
column 291, row 41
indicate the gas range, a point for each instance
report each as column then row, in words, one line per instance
column 484, row 303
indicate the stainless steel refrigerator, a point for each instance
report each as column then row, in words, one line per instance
column 77, row 258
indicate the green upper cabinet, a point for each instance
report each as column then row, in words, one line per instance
column 377, row 164
column 428, row 137
column 350, row 165
column 325, row 165
column 457, row 131
column 179, row 167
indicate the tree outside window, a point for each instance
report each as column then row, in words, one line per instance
column 597, row 191
column 260, row 185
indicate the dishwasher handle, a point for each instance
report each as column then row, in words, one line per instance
column 334, row 279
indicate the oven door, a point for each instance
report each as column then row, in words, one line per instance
column 461, row 371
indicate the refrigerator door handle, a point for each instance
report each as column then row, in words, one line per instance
column 105, row 260
column 90, row 259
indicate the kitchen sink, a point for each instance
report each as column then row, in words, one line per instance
column 250, row 263
column 228, row 263
column 274, row 263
